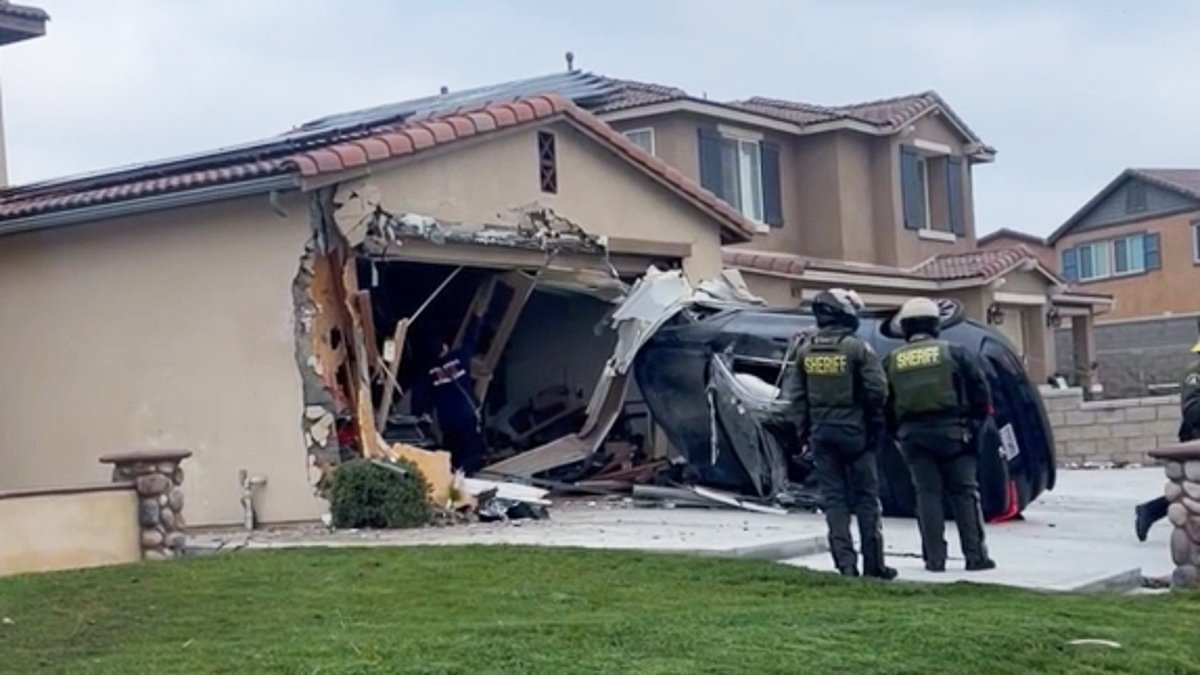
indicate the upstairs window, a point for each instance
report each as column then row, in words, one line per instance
column 1129, row 255
column 932, row 187
column 643, row 138
column 1093, row 261
column 1123, row 256
column 742, row 169
column 741, row 176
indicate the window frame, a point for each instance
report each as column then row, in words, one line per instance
column 757, row 197
column 923, row 173
column 649, row 131
column 1141, row 263
column 1107, row 244
column 1196, row 242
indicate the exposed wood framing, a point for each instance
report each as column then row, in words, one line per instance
column 390, row 384
column 483, row 367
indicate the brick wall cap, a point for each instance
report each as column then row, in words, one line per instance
column 1055, row 392
column 68, row 490
column 145, row 456
column 1178, row 453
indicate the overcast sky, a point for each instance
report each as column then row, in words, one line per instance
column 1069, row 92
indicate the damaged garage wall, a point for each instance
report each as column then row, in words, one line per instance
column 337, row 345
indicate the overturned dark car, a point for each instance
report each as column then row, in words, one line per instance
column 710, row 378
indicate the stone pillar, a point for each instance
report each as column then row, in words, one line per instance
column 1182, row 464
column 1039, row 344
column 159, row 480
column 1085, row 350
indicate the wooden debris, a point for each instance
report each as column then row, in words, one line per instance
column 391, row 369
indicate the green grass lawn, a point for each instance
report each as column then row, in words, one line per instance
column 520, row 610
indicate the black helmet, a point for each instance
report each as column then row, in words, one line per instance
column 837, row 306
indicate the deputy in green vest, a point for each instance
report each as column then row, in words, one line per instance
column 837, row 390
column 938, row 401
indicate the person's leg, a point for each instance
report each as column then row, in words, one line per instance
column 962, row 485
column 1148, row 513
column 472, row 452
column 927, row 482
column 864, row 483
column 831, row 479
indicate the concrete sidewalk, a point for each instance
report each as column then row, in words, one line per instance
column 1078, row 537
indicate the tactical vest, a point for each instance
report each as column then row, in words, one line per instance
column 826, row 364
column 922, row 377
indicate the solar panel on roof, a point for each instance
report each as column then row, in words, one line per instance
column 577, row 86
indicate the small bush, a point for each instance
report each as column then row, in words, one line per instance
column 364, row 494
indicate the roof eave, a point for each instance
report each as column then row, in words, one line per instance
column 159, row 202
column 700, row 107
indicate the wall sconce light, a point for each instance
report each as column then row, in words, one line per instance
column 1053, row 318
column 995, row 315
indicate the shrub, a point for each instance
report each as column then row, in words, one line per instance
column 364, row 494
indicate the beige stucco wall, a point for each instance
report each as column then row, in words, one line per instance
column 777, row 291
column 487, row 180
column 171, row 329
column 67, row 531
column 1169, row 290
column 909, row 248
column 841, row 194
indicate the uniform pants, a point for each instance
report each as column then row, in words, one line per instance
column 944, row 467
column 849, row 484
column 465, row 446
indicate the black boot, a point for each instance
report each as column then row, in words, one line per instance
column 981, row 565
column 885, row 573
column 850, row 571
column 935, row 565
column 1142, row 521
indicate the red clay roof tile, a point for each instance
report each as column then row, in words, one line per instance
column 483, row 121
column 399, row 143
column 503, row 114
column 391, row 142
column 375, row 149
column 421, row 138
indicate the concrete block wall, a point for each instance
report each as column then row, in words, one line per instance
column 1136, row 357
column 1120, row 431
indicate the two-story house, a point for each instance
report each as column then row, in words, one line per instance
column 1138, row 239
column 877, row 196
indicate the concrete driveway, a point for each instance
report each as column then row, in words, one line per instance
column 1079, row 537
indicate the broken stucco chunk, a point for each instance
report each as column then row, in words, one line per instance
column 355, row 204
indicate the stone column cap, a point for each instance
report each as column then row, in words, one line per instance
column 145, row 456
column 1178, row 453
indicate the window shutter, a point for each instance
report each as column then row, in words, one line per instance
column 1070, row 264
column 910, row 184
column 1152, row 244
column 710, row 161
column 772, row 194
column 954, row 196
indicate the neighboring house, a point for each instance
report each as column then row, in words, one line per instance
column 17, row 24
column 235, row 303
column 1006, row 238
column 877, row 196
column 1138, row 240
